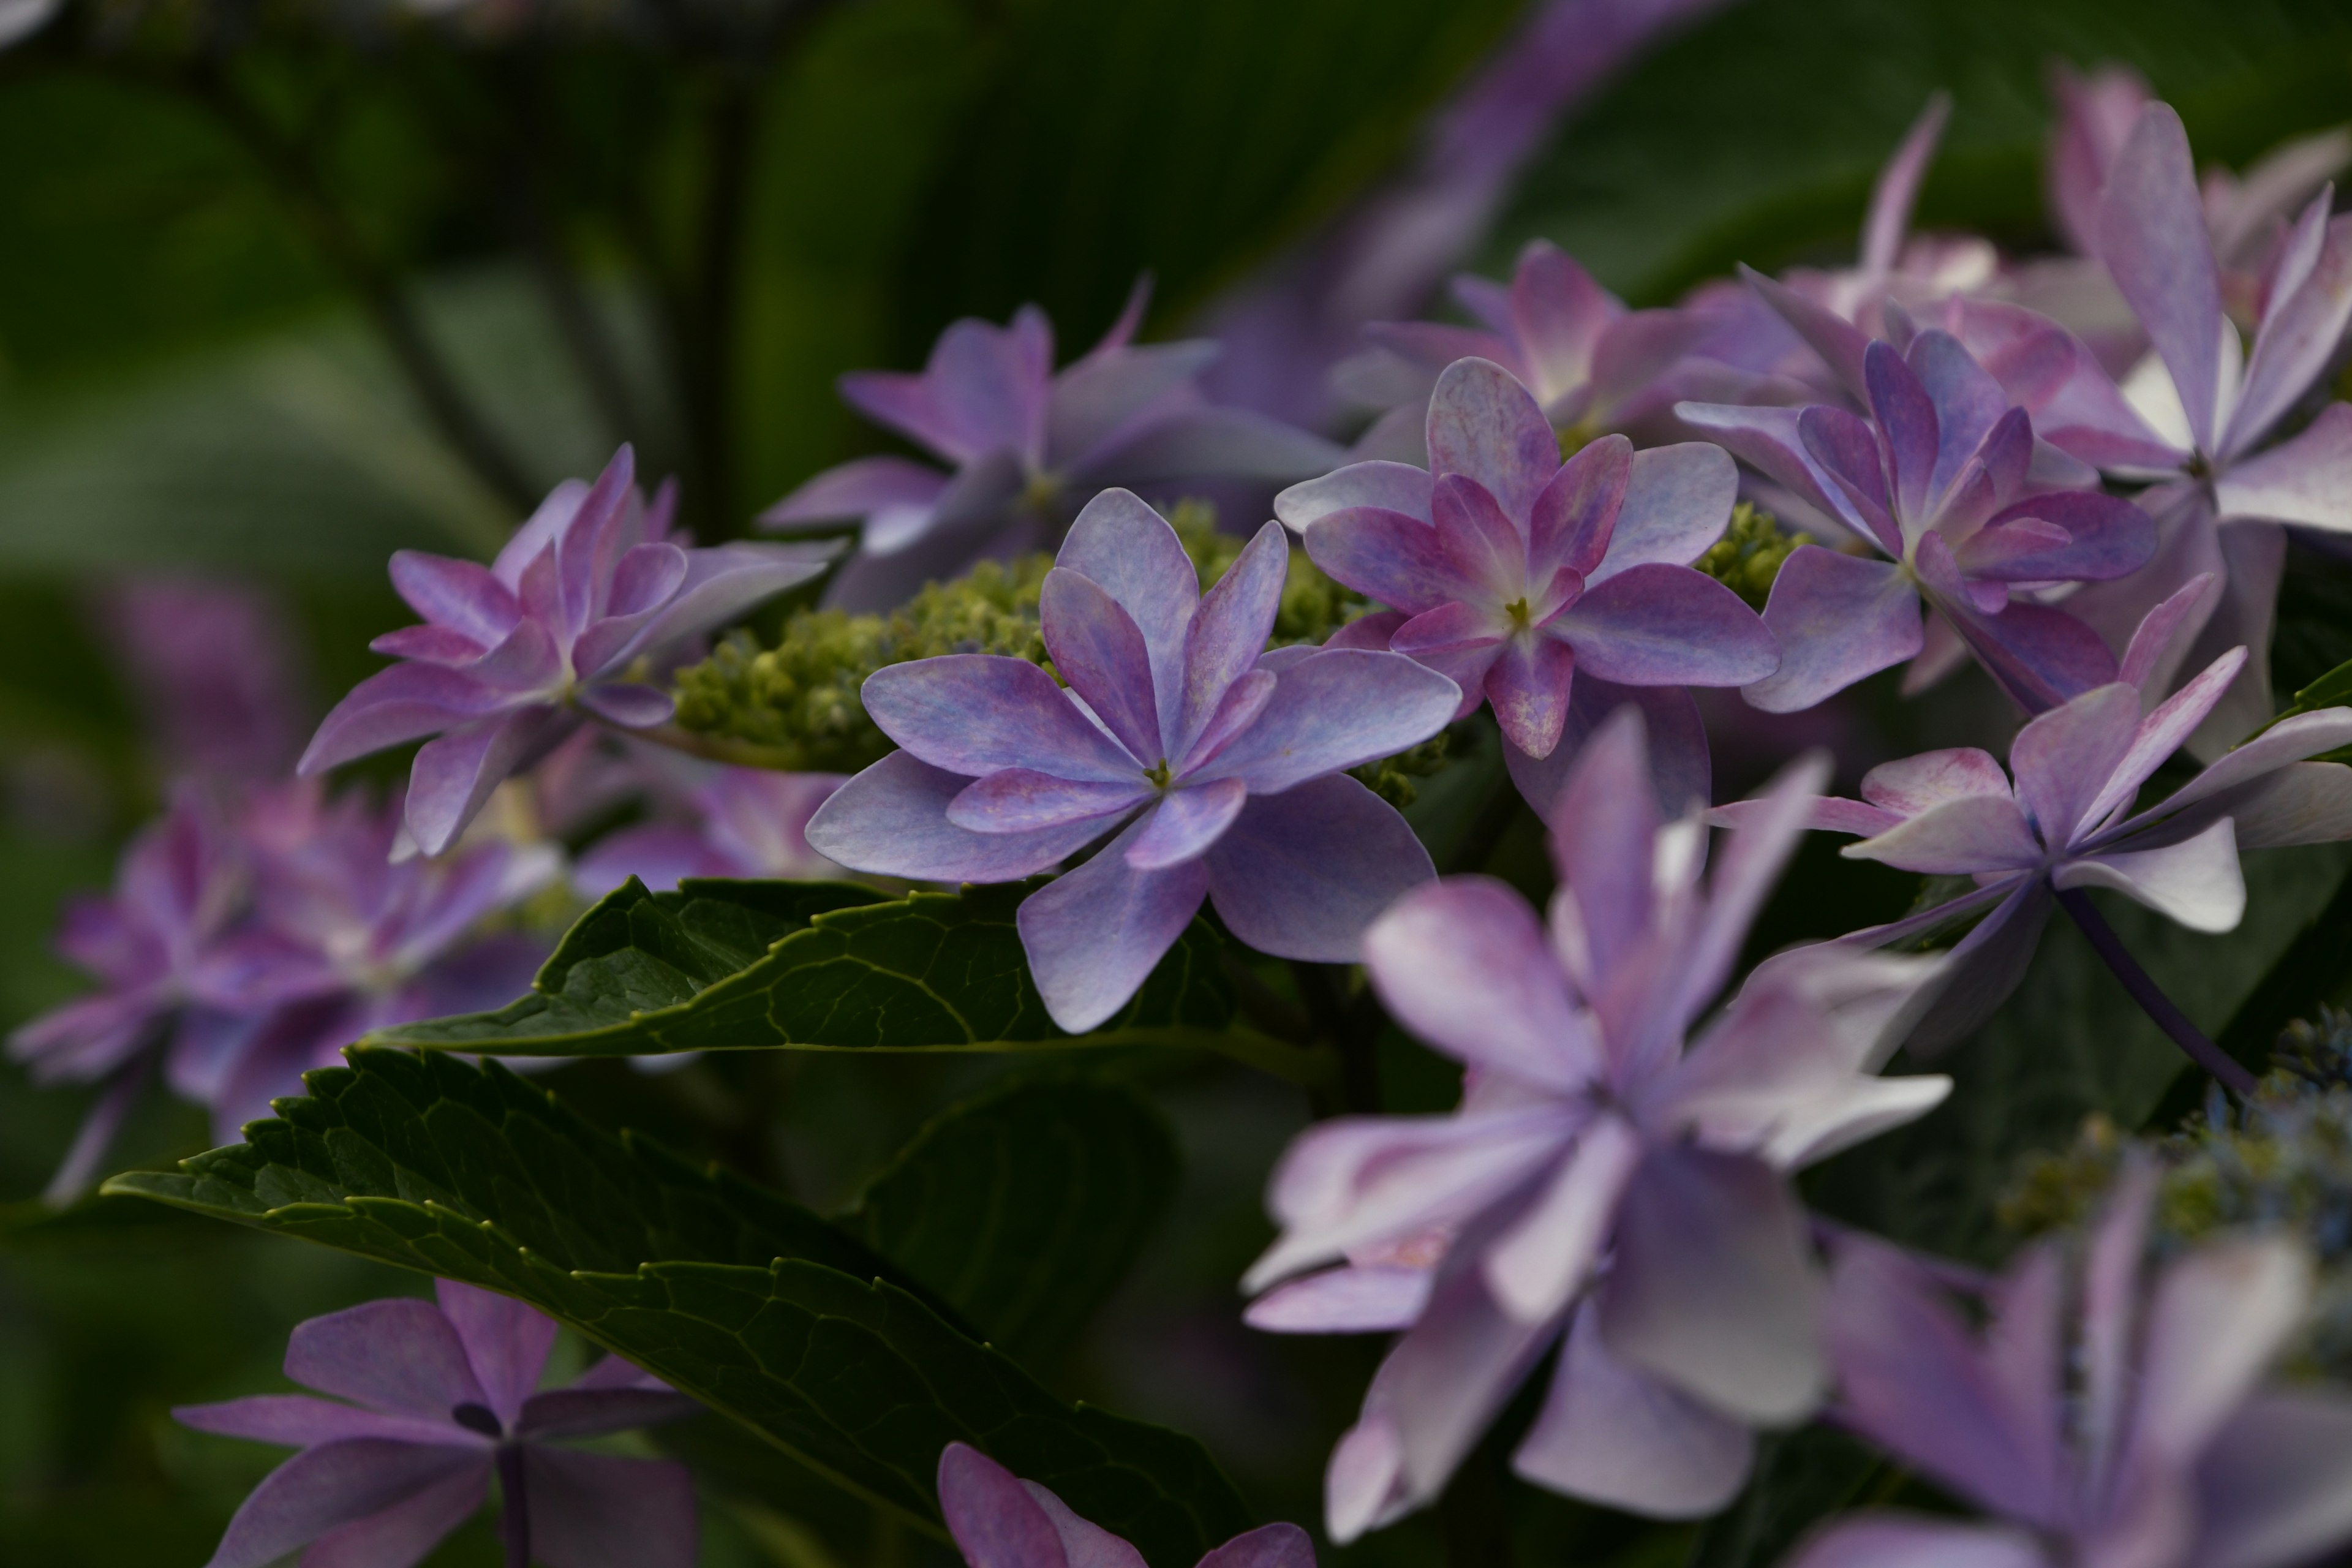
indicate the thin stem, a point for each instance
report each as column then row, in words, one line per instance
column 429, row 376
column 514, row 1507
column 2226, row 1069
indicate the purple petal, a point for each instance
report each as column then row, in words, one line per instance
column 1615, row 1437
column 1453, row 627
column 338, row 1484
column 1957, row 837
column 1558, row 311
column 1973, row 418
column 1529, row 686
column 1098, row 398
column 1574, row 518
column 1377, row 1297
column 435, row 645
column 2300, row 334
column 1980, row 971
column 600, row 1510
column 628, row 704
column 298, row 1421
column 1216, row 443
column 1244, row 700
column 1464, row 965
column 1712, row 1291
column 2303, row 802
column 1484, row 545
column 1130, row 549
column 1268, row 1546
column 460, row 596
column 1745, row 872
column 1677, row 502
column 1898, row 187
column 453, row 775
column 1185, row 824
column 1604, row 824
column 1681, row 773
column 976, row 714
column 1099, row 651
column 2218, row 1317
column 1907, row 414
column 2275, row 1487
column 721, row 585
column 1913, row 784
column 892, row 821
column 1551, row 1247
column 539, row 531
column 2101, row 537
column 1633, row 361
column 396, row 705
column 2288, row 741
column 1889, row 1540
column 1335, row 709
column 1383, row 485
column 858, row 489
column 2064, row 758
column 1837, row 619
column 1772, row 440
column 1229, row 632
column 2042, row 658
column 1483, row 423
column 1301, row 874
column 1846, row 451
column 399, row 1356
column 2196, row 882
column 2307, row 478
column 1656, row 624
column 2095, row 113
column 1840, row 343
column 1094, row 934
column 1391, row 558
column 1022, row 800
column 401, row 1535
column 2162, row 732
column 1087, row 1545
column 506, row 1341
column 994, row 1520
column 2152, row 237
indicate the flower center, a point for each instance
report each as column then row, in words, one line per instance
column 1517, row 610
column 1159, row 774
column 1039, row 493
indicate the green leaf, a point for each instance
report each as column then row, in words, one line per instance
column 823, row 966
column 1697, row 157
column 731, row 1294
column 1025, row 1207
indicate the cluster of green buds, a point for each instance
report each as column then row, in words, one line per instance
column 1749, row 556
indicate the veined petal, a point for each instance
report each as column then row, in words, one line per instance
column 1844, row 448
column 1332, row 711
column 2196, row 882
column 1481, row 543
column 1957, row 837
column 2162, row 732
column 1301, row 874
column 2152, row 237
column 1464, row 964
column 1099, row 651
column 1244, row 700
column 1837, row 618
column 977, row 713
column 892, row 820
column 1529, row 686
column 2064, row 759
column 1677, row 503
column 1656, row 624
column 1229, row 632
column 1185, row 824
column 1972, row 414
column 460, row 596
column 1907, row 416
column 1617, row 1437
column 1681, row 773
column 1913, row 784
column 1094, row 934
column 1130, row 549
column 1575, row 516
column 1483, row 423
column 1390, row 557
column 1022, row 800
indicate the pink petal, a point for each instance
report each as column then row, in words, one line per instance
column 1301, row 874
column 994, row 1520
column 1575, row 516
column 1613, row 1436
column 2152, row 237
column 1094, row 934
column 1391, row 558
column 1528, row 687
column 1484, row 425
column 1464, row 964
column 1837, row 618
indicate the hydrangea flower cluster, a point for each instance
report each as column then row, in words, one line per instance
column 1526, row 575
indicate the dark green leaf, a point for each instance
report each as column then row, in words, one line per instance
column 733, row 1295
column 722, row 965
column 1024, row 1207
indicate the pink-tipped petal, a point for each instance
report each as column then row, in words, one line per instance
column 1483, row 423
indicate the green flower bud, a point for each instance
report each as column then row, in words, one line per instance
column 1749, row 556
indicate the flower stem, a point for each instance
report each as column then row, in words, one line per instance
column 2226, row 1069
column 514, row 1509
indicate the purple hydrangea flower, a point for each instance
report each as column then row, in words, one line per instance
column 213, row 665
column 2195, row 416
column 746, row 822
column 513, row 656
column 441, row 1398
column 182, row 971
column 2067, row 821
column 1002, row 1521
column 1025, row 442
column 1942, row 479
column 2138, row 1433
column 373, row 942
column 1523, row 578
column 1601, row 1180
column 1221, row 772
column 1593, row 366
